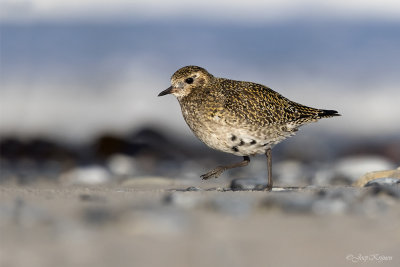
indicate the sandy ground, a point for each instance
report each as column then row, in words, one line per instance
column 160, row 224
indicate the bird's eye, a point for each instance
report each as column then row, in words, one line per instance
column 189, row 80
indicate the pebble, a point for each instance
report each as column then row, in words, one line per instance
column 248, row 184
column 122, row 165
column 192, row 188
column 90, row 175
column 383, row 181
column 366, row 178
column 352, row 168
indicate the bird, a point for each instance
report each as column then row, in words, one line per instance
column 238, row 117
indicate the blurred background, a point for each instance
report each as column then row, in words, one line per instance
column 79, row 80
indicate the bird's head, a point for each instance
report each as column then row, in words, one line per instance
column 186, row 80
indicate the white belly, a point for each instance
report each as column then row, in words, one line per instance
column 239, row 142
column 239, row 139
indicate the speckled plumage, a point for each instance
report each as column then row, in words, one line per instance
column 242, row 118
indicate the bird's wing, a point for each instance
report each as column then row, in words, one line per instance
column 260, row 105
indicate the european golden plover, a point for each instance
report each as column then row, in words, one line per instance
column 241, row 118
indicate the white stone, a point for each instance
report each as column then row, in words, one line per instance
column 90, row 175
column 354, row 167
column 122, row 165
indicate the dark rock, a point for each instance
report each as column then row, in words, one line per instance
column 108, row 145
column 11, row 148
column 38, row 149
column 152, row 142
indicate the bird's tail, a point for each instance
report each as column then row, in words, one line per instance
column 324, row 113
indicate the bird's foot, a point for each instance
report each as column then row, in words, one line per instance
column 213, row 173
column 268, row 187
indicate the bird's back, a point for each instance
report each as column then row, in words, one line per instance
column 257, row 104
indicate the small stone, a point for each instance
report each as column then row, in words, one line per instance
column 248, row 184
column 212, row 189
column 364, row 180
column 192, row 188
column 122, row 165
column 352, row 168
column 91, row 175
column 383, row 181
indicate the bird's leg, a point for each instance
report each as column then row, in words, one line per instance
column 269, row 165
column 220, row 169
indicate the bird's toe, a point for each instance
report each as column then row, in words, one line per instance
column 213, row 173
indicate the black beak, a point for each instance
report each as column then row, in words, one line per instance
column 166, row 91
